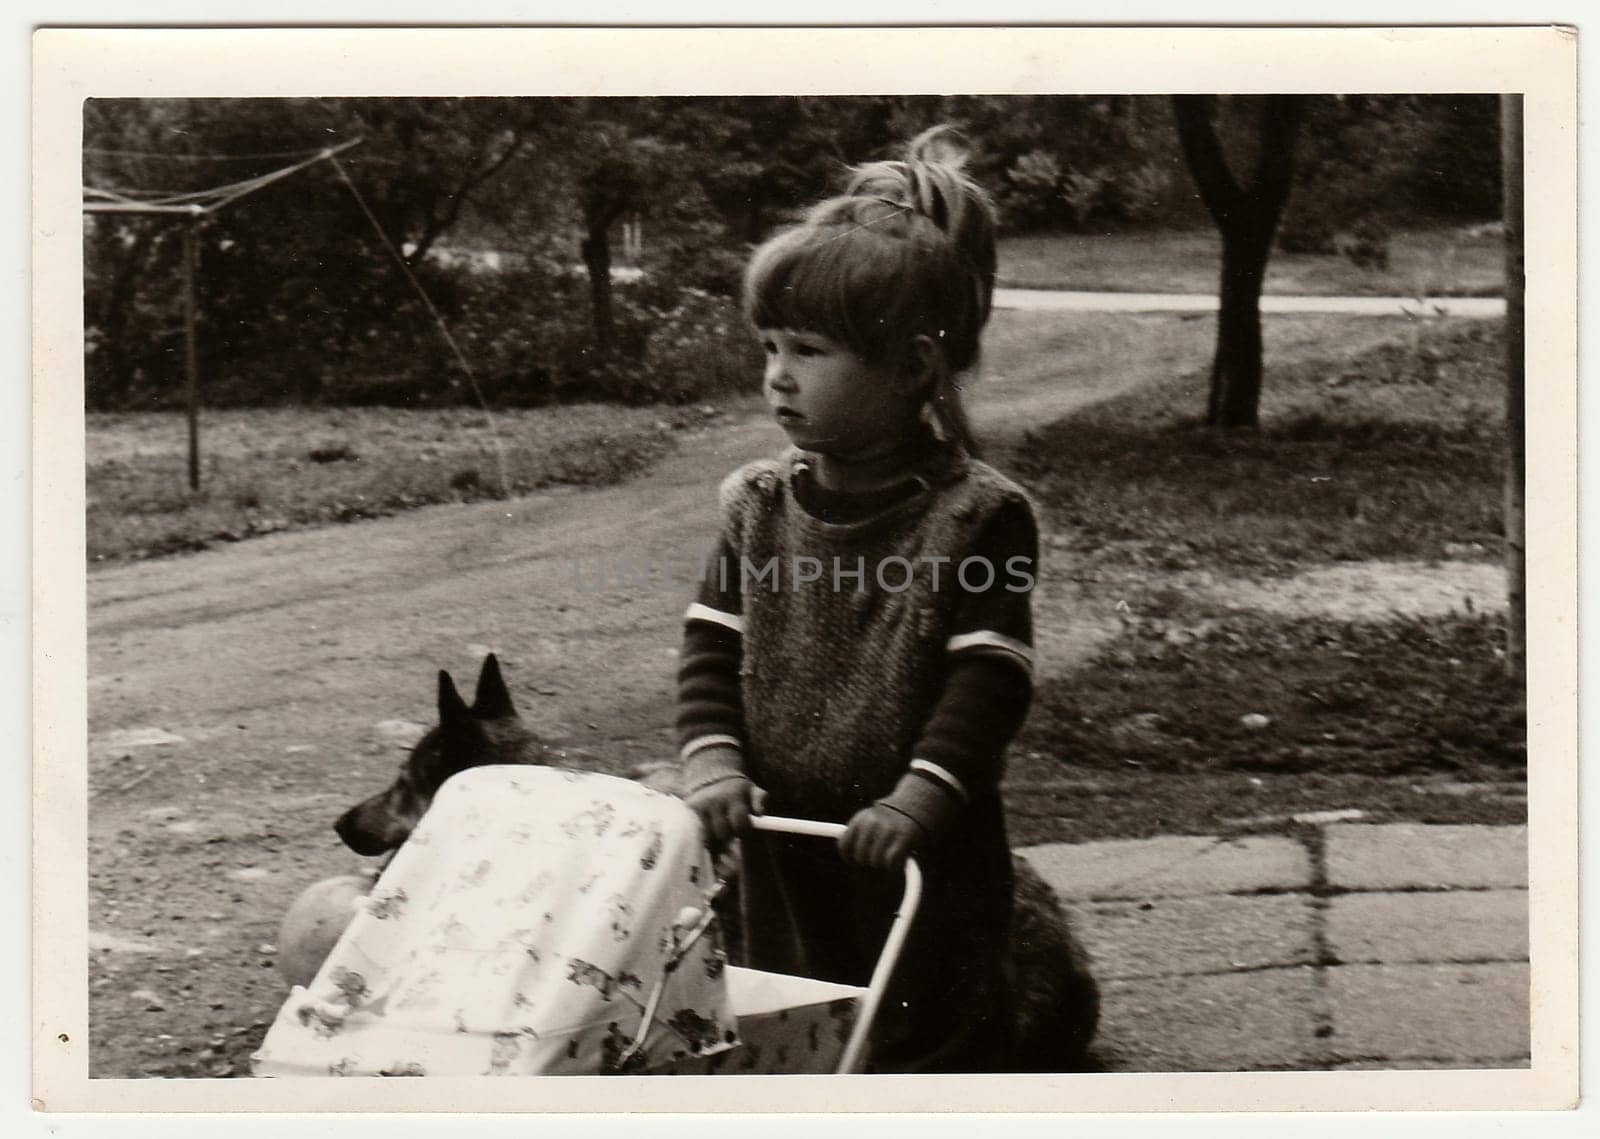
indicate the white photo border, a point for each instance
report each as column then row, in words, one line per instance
column 71, row 65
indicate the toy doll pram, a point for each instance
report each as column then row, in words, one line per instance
column 546, row 922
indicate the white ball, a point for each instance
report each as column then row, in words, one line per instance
column 314, row 922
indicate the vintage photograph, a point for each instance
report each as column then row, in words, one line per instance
column 756, row 584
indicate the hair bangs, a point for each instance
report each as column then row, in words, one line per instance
column 847, row 282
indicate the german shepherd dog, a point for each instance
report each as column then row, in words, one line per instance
column 1057, row 1000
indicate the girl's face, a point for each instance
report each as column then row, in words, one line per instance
column 831, row 401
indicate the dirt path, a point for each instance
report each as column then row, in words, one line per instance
column 241, row 697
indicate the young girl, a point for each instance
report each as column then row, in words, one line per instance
column 861, row 650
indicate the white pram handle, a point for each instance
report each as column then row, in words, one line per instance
column 855, row 1049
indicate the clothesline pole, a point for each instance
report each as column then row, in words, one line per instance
column 190, row 205
column 191, row 354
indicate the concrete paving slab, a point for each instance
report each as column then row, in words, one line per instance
column 1458, row 925
column 1440, row 1012
column 1173, row 866
column 1210, row 1024
column 1168, row 936
column 1394, row 856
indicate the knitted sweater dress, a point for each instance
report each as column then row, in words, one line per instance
column 844, row 636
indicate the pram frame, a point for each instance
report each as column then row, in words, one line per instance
column 854, row 1058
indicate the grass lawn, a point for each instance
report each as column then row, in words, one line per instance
column 1236, row 726
column 1392, row 453
column 1435, row 262
column 1208, row 719
column 265, row 470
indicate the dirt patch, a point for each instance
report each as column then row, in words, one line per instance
column 1370, row 591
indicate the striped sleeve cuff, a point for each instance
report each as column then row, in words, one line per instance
column 711, row 759
column 703, row 742
column 699, row 612
column 988, row 642
column 941, row 776
column 927, row 802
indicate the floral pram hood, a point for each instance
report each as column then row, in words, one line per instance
column 529, row 926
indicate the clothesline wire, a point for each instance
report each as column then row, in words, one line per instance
column 215, row 197
column 132, row 194
column 240, row 189
column 175, row 157
column 438, row 320
column 196, row 201
column 173, row 197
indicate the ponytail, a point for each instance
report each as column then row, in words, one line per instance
column 932, row 181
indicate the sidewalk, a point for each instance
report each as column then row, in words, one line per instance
column 1054, row 300
column 1343, row 946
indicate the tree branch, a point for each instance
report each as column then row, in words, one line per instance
column 1197, row 133
column 1274, row 174
column 438, row 224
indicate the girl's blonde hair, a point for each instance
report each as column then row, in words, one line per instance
column 907, row 250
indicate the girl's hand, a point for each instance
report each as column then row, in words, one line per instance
column 725, row 808
column 880, row 838
column 917, row 812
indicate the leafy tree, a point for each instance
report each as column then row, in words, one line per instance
column 611, row 159
column 773, row 155
column 128, row 325
column 1368, row 163
column 297, row 255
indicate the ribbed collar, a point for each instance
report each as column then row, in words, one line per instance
column 937, row 464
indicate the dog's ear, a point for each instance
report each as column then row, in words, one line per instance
column 452, row 709
column 461, row 739
column 492, row 700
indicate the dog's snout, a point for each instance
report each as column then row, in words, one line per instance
column 355, row 833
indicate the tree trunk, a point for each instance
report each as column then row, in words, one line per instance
column 114, row 318
column 596, row 250
column 1236, row 368
column 1516, row 449
column 1247, row 218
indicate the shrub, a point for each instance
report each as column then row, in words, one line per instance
column 529, row 336
column 1039, row 191
column 525, row 331
column 1306, row 231
column 1030, row 193
column 1365, row 243
column 1081, row 191
column 1137, row 193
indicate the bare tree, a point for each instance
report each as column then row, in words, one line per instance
column 1247, row 216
